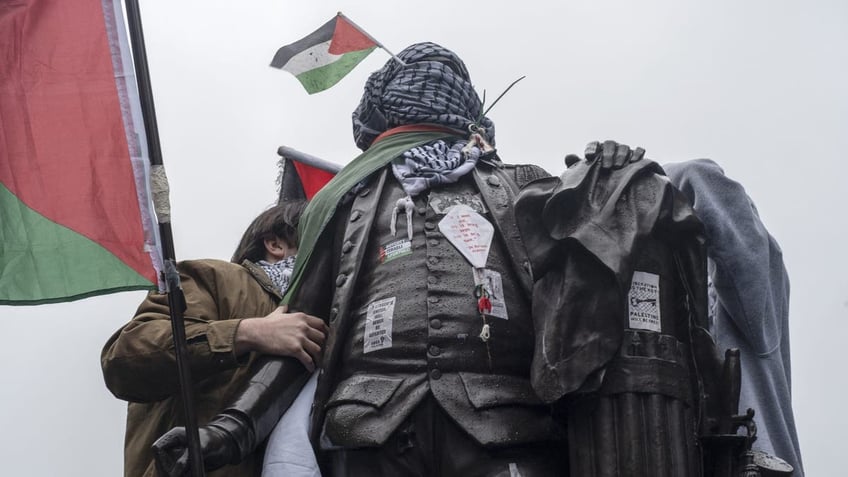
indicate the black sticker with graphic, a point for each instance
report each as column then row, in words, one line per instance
column 395, row 249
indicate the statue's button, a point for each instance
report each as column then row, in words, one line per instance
column 493, row 181
column 434, row 350
column 347, row 246
column 429, row 225
column 355, row 215
column 365, row 191
column 334, row 313
column 433, row 242
column 341, row 279
column 435, row 323
column 422, row 210
column 432, row 280
column 432, row 260
column 435, row 374
column 433, row 299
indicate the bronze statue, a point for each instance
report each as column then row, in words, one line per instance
column 478, row 309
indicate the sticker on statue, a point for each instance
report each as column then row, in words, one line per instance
column 378, row 325
column 644, row 302
column 469, row 232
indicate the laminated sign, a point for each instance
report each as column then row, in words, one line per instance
column 644, row 302
column 378, row 324
column 469, row 232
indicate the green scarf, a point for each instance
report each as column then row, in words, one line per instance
column 322, row 207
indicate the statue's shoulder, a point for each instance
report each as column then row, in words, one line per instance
column 523, row 174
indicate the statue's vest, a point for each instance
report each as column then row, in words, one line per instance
column 415, row 327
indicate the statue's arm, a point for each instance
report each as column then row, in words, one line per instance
column 256, row 406
column 235, row 433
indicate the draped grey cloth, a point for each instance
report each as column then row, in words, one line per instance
column 752, row 300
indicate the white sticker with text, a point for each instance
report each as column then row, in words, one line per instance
column 644, row 301
column 469, row 232
column 378, row 325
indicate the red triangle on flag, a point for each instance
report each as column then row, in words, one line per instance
column 347, row 38
column 312, row 178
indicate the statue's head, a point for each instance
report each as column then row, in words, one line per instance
column 431, row 86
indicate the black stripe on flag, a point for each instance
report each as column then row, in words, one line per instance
column 285, row 53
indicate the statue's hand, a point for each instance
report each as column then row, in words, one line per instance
column 217, row 444
column 171, row 453
column 612, row 154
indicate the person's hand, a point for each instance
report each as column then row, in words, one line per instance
column 219, row 444
column 280, row 333
column 612, row 154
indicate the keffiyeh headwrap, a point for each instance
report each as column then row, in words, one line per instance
column 434, row 87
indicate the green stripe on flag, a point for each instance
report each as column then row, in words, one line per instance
column 326, row 76
column 44, row 262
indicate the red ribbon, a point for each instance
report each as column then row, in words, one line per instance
column 484, row 305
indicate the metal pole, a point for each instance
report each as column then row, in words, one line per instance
column 176, row 300
column 342, row 15
column 308, row 159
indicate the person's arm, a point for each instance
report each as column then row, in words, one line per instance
column 138, row 360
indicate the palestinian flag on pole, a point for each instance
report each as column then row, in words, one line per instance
column 302, row 175
column 75, row 214
column 325, row 56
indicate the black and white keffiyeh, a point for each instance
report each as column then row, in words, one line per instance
column 431, row 165
column 433, row 87
column 279, row 272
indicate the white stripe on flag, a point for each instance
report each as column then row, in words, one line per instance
column 136, row 137
column 311, row 58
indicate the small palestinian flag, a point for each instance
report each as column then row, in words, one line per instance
column 302, row 174
column 324, row 57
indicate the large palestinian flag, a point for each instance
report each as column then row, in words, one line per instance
column 325, row 56
column 75, row 219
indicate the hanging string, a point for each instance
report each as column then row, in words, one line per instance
column 484, row 305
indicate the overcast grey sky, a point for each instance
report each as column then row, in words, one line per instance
column 757, row 85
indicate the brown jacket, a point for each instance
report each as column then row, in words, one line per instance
column 139, row 365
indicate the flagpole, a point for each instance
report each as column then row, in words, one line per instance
column 176, row 299
column 371, row 38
